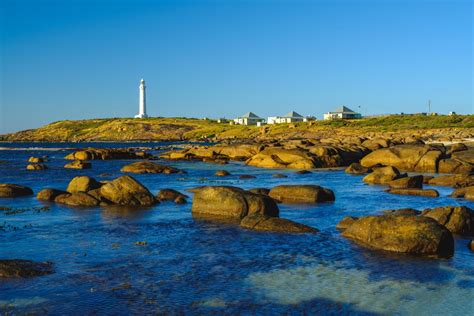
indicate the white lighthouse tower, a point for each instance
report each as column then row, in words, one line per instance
column 142, row 101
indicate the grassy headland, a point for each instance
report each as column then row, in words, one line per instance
column 158, row 129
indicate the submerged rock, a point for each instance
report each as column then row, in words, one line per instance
column 126, row 190
column 82, row 184
column 18, row 268
column 301, row 194
column 78, row 164
column 171, row 195
column 458, row 219
column 279, row 175
column 49, row 194
column 405, row 234
column 148, row 167
column 222, row 173
column 231, row 203
column 8, row 190
column 246, row 176
column 274, row 224
column 415, row 192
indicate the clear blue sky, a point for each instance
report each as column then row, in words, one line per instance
column 84, row 59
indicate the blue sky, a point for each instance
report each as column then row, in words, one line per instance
column 84, row 59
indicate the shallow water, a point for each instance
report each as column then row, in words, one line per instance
column 194, row 266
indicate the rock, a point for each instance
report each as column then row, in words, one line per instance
column 456, row 180
column 458, row 219
column 426, row 179
column 415, row 192
column 77, row 199
column 78, row 164
column 415, row 182
column 231, row 203
column 470, row 245
column 374, row 144
column 170, row 195
column 107, row 154
column 49, row 194
column 126, row 190
column 36, row 166
column 465, row 156
column 279, row 175
column 346, row 222
column 82, row 184
column 303, row 172
column 35, row 160
column 382, row 175
column 454, row 166
column 301, row 194
column 466, row 193
column 148, row 167
column 263, row 191
column 180, row 200
column 406, row 234
column 246, row 176
column 282, row 158
column 18, row 268
column 8, row 190
column 456, row 147
column 274, row 224
column 413, row 157
column 402, row 212
column 357, row 168
column 222, row 173
column 221, row 161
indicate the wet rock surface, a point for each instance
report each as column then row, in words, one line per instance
column 18, row 268
column 301, row 194
column 8, row 190
column 415, row 192
column 458, row 219
column 148, row 167
column 126, row 190
column 78, row 164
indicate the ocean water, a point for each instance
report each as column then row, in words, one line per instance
column 190, row 266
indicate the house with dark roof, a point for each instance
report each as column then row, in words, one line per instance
column 342, row 112
column 248, row 118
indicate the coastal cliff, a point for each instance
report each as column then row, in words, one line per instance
column 175, row 129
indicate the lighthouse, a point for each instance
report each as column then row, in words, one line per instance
column 142, row 101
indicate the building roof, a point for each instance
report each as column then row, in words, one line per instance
column 343, row 109
column 250, row 115
column 292, row 114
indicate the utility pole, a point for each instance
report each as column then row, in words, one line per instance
column 429, row 107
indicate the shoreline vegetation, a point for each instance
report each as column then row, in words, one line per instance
column 192, row 129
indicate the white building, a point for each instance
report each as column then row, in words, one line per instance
column 342, row 112
column 248, row 118
column 291, row 117
column 142, row 101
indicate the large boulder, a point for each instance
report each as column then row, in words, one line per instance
column 415, row 192
column 283, row 158
column 126, row 190
column 383, row 175
column 415, row 182
column 148, row 167
column 458, row 219
column 19, row 268
column 454, row 166
column 77, row 199
column 274, row 224
column 301, row 194
column 8, row 190
column 82, row 184
column 404, row 234
column 49, row 194
column 413, row 157
column 231, row 203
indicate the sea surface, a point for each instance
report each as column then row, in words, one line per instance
column 160, row 260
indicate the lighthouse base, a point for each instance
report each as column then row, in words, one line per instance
column 142, row 115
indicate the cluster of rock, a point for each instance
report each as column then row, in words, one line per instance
column 255, row 209
column 36, row 163
column 427, row 233
column 149, row 167
column 107, row 154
